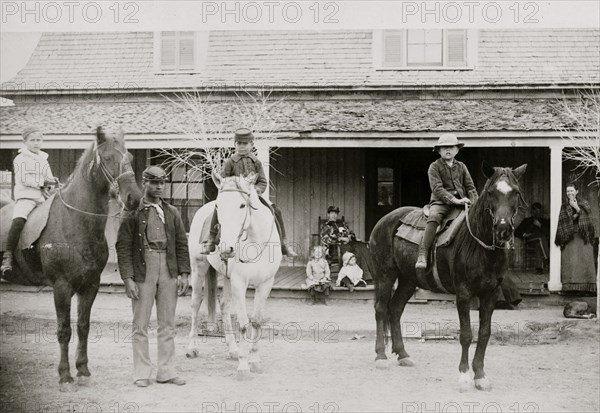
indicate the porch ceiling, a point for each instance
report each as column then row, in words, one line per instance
column 163, row 117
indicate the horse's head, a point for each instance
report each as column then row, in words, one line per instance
column 237, row 196
column 113, row 162
column 502, row 196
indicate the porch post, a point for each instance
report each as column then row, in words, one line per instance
column 555, row 201
column 263, row 157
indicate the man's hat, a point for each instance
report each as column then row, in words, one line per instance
column 29, row 130
column 448, row 139
column 243, row 135
column 333, row 209
column 154, row 173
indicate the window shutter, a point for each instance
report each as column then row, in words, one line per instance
column 186, row 53
column 168, row 50
column 456, row 48
column 393, row 49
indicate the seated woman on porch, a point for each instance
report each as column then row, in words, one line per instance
column 536, row 230
column 318, row 281
column 334, row 232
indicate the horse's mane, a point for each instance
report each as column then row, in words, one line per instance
column 82, row 163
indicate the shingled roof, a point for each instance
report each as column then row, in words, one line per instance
column 297, row 116
column 309, row 59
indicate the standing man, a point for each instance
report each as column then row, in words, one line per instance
column 152, row 253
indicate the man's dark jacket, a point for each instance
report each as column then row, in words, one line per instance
column 130, row 243
column 452, row 182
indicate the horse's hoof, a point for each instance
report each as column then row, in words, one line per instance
column 256, row 368
column 85, row 381
column 69, row 387
column 465, row 382
column 483, row 384
column 406, row 362
column 243, row 375
column 192, row 354
column 233, row 355
column 382, row 364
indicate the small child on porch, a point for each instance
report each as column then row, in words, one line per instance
column 242, row 163
column 33, row 180
column 318, row 281
column 351, row 274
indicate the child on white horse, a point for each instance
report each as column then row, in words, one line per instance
column 33, row 180
column 242, row 163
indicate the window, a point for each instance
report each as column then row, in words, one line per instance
column 184, row 189
column 177, row 51
column 425, row 49
column 385, row 186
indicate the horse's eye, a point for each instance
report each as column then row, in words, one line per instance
column 242, row 206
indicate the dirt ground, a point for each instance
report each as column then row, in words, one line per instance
column 537, row 362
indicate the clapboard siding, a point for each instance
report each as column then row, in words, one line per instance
column 305, row 181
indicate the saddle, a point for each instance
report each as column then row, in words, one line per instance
column 412, row 226
column 36, row 222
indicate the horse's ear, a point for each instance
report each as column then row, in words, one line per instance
column 216, row 177
column 487, row 170
column 100, row 135
column 520, row 171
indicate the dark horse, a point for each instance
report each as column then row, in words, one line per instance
column 472, row 265
column 72, row 251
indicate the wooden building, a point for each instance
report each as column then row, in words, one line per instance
column 357, row 112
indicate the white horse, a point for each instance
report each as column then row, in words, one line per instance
column 249, row 253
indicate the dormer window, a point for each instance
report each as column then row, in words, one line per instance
column 178, row 52
column 424, row 49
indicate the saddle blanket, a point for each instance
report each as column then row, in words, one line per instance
column 413, row 224
column 36, row 222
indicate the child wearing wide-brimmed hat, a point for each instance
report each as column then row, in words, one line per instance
column 242, row 163
column 33, row 180
column 451, row 187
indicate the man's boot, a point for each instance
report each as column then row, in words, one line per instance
column 6, row 262
column 425, row 245
column 210, row 245
column 285, row 248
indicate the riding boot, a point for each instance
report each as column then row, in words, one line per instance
column 425, row 245
column 14, row 234
column 210, row 245
column 285, row 248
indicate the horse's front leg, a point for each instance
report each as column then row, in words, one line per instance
column 463, row 304
column 228, row 330
column 63, row 292
column 197, row 282
column 84, row 308
column 245, row 329
column 260, row 299
column 486, row 308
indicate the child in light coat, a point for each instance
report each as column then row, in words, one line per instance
column 318, row 281
column 351, row 274
column 33, row 180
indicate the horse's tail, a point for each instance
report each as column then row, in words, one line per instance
column 211, row 292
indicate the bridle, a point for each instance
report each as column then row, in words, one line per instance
column 509, row 244
column 113, row 181
column 245, row 225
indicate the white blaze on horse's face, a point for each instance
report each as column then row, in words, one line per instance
column 503, row 187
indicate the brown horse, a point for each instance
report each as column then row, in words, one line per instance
column 472, row 265
column 72, row 251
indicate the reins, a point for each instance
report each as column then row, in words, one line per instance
column 108, row 176
column 244, row 229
